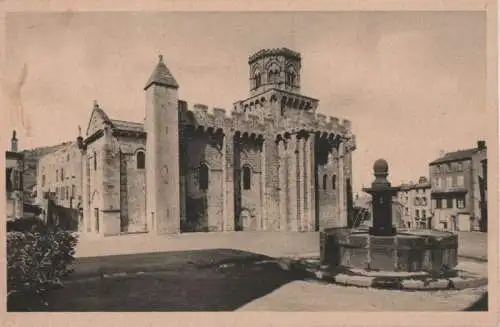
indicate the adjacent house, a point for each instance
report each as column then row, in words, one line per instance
column 458, row 189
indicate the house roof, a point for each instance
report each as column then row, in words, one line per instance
column 455, row 156
column 162, row 76
column 127, row 125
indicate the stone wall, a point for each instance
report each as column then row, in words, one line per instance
column 204, row 207
column 132, row 185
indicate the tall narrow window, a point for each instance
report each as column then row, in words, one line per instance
column 449, row 182
column 324, row 181
column 273, row 73
column 95, row 161
column 258, row 79
column 43, row 180
column 247, row 178
column 96, row 215
column 141, row 160
column 461, row 202
column 62, row 174
column 291, row 78
column 73, row 187
column 203, row 177
column 57, row 175
column 334, row 181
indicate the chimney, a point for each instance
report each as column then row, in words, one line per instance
column 13, row 142
column 79, row 139
column 481, row 145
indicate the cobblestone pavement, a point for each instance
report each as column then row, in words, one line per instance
column 315, row 296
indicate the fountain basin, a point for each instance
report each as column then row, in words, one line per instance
column 408, row 251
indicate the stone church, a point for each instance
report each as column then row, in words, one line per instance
column 272, row 164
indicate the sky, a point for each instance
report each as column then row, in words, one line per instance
column 412, row 83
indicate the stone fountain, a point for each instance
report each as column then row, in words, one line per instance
column 384, row 249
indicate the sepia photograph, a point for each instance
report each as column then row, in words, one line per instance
column 220, row 161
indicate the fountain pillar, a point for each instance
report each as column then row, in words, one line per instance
column 382, row 194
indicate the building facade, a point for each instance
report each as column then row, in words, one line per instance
column 273, row 163
column 458, row 189
column 415, row 207
column 14, row 165
column 59, row 180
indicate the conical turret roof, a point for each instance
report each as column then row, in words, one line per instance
column 162, row 76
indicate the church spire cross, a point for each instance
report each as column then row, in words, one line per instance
column 96, row 104
column 160, row 58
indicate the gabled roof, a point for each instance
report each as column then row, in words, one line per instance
column 455, row 156
column 122, row 125
column 127, row 125
column 97, row 111
column 162, row 76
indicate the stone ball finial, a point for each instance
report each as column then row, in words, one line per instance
column 380, row 168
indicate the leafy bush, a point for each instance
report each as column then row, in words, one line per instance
column 38, row 257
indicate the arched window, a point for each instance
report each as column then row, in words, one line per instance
column 324, row 181
column 290, row 76
column 334, row 181
column 247, row 178
column 273, row 76
column 273, row 73
column 203, row 177
column 62, row 174
column 258, row 79
column 141, row 160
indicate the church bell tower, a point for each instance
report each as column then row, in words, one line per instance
column 274, row 68
column 162, row 152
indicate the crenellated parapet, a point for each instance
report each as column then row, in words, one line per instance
column 332, row 130
column 314, row 123
column 200, row 118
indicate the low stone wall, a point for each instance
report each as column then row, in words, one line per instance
column 433, row 252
